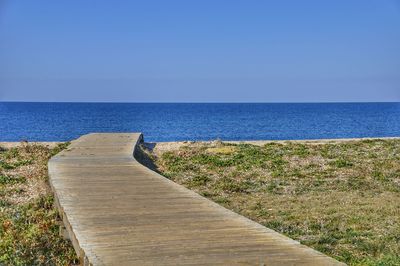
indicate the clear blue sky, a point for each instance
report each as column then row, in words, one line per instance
column 200, row 51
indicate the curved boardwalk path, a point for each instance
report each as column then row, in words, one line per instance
column 118, row 212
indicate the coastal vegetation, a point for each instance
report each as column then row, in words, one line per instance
column 29, row 222
column 341, row 198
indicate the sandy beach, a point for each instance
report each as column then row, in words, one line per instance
column 13, row 144
column 160, row 147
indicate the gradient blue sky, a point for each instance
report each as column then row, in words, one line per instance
column 200, row 51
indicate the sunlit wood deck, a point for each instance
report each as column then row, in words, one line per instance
column 118, row 212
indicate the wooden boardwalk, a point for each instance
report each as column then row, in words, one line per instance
column 118, row 212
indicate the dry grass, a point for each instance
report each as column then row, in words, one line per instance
column 28, row 221
column 342, row 199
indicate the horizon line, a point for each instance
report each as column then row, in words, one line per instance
column 199, row 102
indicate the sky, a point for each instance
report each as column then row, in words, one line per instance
column 200, row 51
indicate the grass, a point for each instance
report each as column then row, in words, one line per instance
column 29, row 230
column 342, row 199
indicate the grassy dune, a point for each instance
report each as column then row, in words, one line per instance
column 342, row 199
column 29, row 233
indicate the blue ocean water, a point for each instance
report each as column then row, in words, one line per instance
column 185, row 121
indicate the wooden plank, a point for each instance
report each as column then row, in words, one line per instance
column 118, row 212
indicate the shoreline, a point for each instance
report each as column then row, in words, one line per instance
column 13, row 144
column 52, row 144
column 278, row 140
column 159, row 147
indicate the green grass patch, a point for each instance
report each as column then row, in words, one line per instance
column 29, row 230
column 29, row 235
column 340, row 198
column 4, row 180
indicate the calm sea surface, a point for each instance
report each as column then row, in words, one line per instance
column 172, row 122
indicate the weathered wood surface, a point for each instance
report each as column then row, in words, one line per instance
column 118, row 212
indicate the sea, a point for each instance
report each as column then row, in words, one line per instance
column 28, row 121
